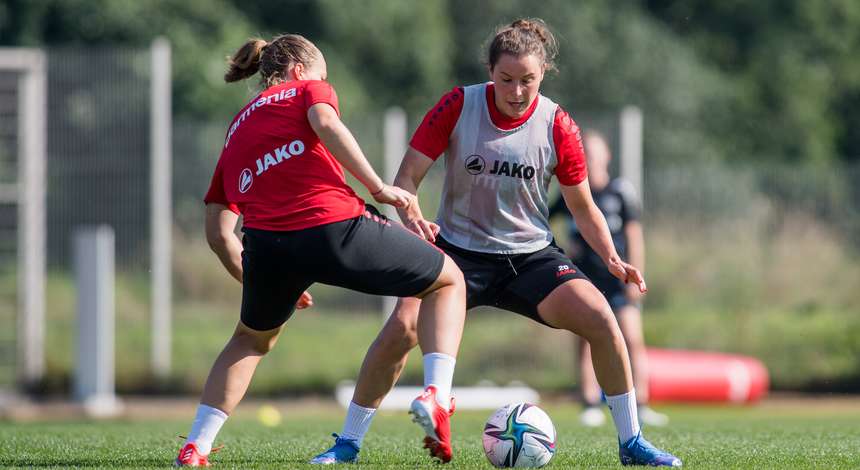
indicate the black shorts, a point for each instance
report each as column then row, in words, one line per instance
column 517, row 283
column 368, row 253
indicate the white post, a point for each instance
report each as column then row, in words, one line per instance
column 160, row 211
column 94, row 276
column 395, row 129
column 32, row 129
column 631, row 147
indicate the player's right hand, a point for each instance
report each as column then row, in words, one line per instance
column 424, row 229
column 394, row 196
column 305, row 300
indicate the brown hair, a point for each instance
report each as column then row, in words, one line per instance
column 523, row 37
column 271, row 58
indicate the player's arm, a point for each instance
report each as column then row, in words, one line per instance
column 635, row 244
column 430, row 140
column 592, row 226
column 341, row 143
column 221, row 236
column 412, row 170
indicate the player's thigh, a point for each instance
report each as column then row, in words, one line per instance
column 577, row 306
column 377, row 256
column 449, row 275
column 538, row 276
column 271, row 285
column 479, row 272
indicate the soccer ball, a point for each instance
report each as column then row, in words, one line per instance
column 519, row 435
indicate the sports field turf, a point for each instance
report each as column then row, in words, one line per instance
column 787, row 434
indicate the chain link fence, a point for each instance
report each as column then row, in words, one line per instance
column 8, row 223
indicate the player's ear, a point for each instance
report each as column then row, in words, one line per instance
column 298, row 71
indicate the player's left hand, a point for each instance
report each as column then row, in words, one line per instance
column 305, row 300
column 627, row 273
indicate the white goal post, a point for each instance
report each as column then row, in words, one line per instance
column 28, row 193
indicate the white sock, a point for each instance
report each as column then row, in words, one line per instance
column 206, row 425
column 357, row 422
column 623, row 408
column 439, row 371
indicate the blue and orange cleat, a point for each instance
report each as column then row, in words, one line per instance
column 638, row 451
column 343, row 451
column 436, row 423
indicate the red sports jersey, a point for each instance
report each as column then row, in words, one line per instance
column 432, row 136
column 275, row 171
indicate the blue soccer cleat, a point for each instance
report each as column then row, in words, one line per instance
column 638, row 451
column 343, row 451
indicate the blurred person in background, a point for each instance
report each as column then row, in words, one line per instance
column 617, row 200
column 504, row 142
column 280, row 168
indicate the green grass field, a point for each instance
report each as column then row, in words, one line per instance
column 795, row 434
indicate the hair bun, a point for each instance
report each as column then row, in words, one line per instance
column 536, row 26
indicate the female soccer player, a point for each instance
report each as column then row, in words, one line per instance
column 281, row 169
column 503, row 143
column 620, row 205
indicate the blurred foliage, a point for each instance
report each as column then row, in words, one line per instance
column 794, row 63
column 802, row 349
column 730, row 79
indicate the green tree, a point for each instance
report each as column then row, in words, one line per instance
column 201, row 33
column 612, row 54
column 796, row 67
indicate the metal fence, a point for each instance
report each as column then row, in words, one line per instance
column 8, row 223
column 98, row 150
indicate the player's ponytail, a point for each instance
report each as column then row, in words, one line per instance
column 271, row 59
column 522, row 37
column 246, row 61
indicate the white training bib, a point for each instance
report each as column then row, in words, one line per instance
column 496, row 183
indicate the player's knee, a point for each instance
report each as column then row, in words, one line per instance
column 451, row 276
column 398, row 338
column 599, row 324
column 257, row 342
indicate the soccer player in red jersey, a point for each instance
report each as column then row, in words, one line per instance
column 280, row 168
column 503, row 143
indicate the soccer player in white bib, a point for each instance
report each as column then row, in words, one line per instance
column 503, row 142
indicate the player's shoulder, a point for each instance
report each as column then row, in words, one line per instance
column 623, row 187
column 562, row 121
column 452, row 96
column 309, row 85
column 448, row 107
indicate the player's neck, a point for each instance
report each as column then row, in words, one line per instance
column 501, row 120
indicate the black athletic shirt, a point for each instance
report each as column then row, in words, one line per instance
column 620, row 205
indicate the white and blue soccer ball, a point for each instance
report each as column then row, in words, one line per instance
column 519, row 435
